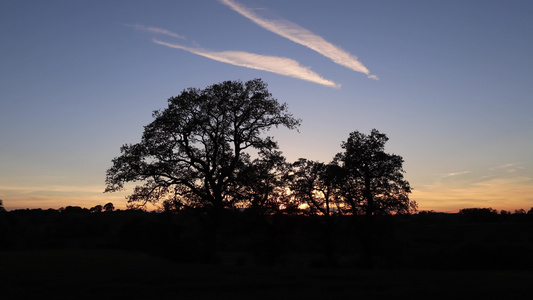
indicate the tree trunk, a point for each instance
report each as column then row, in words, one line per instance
column 367, row 241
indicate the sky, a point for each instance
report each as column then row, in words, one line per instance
column 449, row 82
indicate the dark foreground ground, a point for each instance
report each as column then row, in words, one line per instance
column 116, row 274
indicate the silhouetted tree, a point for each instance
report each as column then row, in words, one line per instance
column 194, row 150
column 261, row 185
column 109, row 207
column 373, row 179
column 75, row 210
column 373, row 183
column 96, row 209
column 2, row 209
column 479, row 214
column 314, row 183
column 171, row 206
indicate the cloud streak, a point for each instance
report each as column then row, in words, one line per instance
column 509, row 168
column 455, row 174
column 279, row 65
column 155, row 30
column 303, row 37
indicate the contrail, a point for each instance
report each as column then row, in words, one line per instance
column 279, row 65
column 155, row 30
column 304, row 37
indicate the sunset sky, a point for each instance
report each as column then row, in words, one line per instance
column 449, row 82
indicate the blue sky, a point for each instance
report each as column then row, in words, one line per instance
column 448, row 81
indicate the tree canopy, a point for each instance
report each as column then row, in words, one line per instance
column 194, row 152
column 210, row 149
column 373, row 181
column 314, row 184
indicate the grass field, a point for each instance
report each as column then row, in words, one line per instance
column 113, row 274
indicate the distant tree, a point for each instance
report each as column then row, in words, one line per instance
column 171, row 205
column 313, row 184
column 109, row 207
column 480, row 211
column 2, row 209
column 372, row 184
column 75, row 210
column 373, row 179
column 520, row 211
column 96, row 209
column 479, row 214
column 530, row 211
column 261, row 185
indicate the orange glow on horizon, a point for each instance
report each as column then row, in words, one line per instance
column 508, row 194
column 501, row 193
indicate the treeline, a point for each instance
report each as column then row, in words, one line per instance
column 426, row 240
column 479, row 215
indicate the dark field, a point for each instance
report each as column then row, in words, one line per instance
column 106, row 274
column 138, row 255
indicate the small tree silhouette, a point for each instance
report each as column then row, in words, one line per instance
column 373, row 183
column 373, row 179
column 96, row 209
column 109, row 207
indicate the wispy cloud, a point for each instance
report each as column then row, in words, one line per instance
column 451, row 174
column 509, row 168
column 155, row 30
column 279, row 65
column 302, row 36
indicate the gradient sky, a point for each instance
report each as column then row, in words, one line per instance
column 449, row 82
